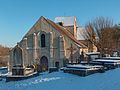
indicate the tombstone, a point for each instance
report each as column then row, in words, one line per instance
column 89, row 59
column 65, row 62
column 82, row 56
column 71, row 49
column 57, row 64
column 17, row 56
column 17, row 68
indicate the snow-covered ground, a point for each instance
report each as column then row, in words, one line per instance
column 109, row 80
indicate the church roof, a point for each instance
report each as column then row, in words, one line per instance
column 64, row 31
column 61, row 29
column 67, row 21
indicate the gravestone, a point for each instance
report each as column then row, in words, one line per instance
column 18, row 61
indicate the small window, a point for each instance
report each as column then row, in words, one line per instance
column 42, row 40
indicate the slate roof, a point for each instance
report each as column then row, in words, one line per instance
column 67, row 21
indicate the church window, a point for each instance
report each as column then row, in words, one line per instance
column 43, row 40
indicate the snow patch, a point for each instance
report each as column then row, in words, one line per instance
column 38, row 81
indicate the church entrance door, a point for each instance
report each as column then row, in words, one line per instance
column 44, row 63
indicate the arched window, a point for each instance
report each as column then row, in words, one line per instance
column 42, row 40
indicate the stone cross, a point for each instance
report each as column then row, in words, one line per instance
column 71, row 49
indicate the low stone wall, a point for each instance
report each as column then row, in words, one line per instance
column 82, row 73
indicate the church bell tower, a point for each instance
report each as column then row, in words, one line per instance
column 69, row 23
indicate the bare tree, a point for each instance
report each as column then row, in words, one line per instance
column 89, row 35
column 4, row 50
column 100, row 32
column 4, row 55
column 117, row 36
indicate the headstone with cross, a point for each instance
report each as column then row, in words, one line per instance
column 71, row 49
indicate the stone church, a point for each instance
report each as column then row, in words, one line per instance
column 48, row 44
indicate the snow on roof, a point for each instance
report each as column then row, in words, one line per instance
column 67, row 21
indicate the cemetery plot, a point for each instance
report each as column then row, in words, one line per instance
column 108, row 62
column 83, row 70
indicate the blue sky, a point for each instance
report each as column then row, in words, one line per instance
column 18, row 16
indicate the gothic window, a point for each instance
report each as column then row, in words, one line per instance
column 43, row 40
